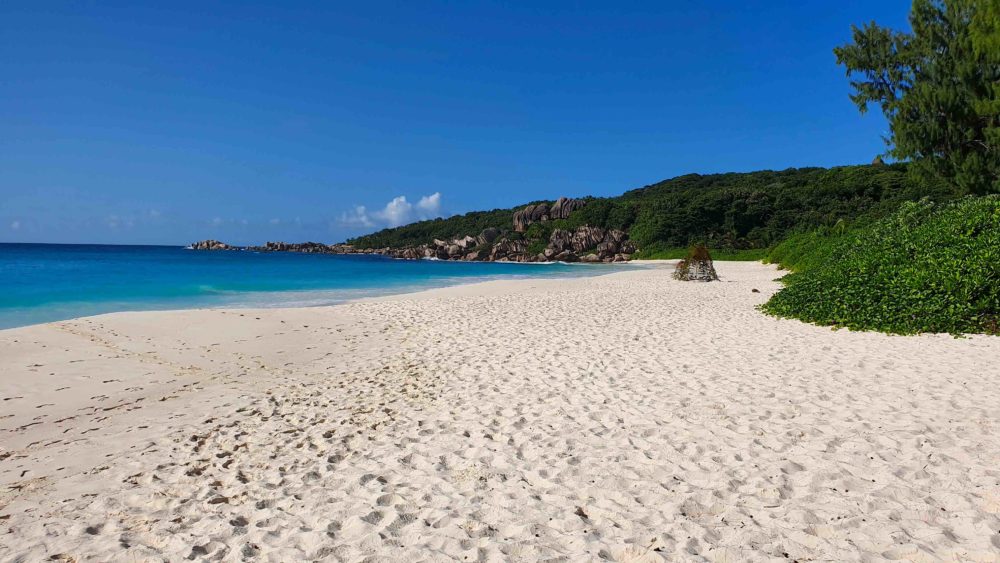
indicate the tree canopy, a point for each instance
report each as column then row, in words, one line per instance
column 734, row 211
column 938, row 87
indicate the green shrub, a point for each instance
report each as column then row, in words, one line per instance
column 539, row 231
column 926, row 268
column 537, row 246
column 802, row 251
column 657, row 252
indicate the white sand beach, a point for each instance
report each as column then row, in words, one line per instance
column 626, row 417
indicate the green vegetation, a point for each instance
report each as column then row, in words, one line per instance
column 537, row 246
column 718, row 254
column 938, row 87
column 926, row 268
column 759, row 209
column 802, row 251
column 735, row 211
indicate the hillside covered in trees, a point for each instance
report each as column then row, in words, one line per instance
column 731, row 211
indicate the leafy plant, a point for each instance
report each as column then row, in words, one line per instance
column 718, row 254
column 537, row 246
column 926, row 268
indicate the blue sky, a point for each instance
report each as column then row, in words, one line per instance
column 167, row 122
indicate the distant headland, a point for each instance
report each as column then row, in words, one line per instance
column 585, row 243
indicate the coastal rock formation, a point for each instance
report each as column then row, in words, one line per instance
column 588, row 244
column 588, row 237
column 411, row 254
column 530, row 214
column 316, row 247
column 607, row 245
column 490, row 245
column 585, row 243
column 466, row 242
column 309, row 247
column 564, row 206
column 543, row 212
column 210, row 244
column 566, row 256
column 560, row 240
column 487, row 236
column 509, row 251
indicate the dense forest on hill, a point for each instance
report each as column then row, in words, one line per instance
column 732, row 211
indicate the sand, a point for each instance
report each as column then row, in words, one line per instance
column 627, row 417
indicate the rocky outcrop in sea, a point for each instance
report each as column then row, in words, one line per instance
column 211, row 244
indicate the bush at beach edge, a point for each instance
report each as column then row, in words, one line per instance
column 926, row 268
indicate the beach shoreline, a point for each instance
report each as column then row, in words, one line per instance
column 52, row 282
column 624, row 416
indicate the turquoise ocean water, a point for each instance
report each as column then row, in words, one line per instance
column 50, row 282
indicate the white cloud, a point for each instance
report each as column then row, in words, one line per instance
column 154, row 213
column 396, row 212
column 15, row 225
column 359, row 218
column 216, row 221
column 399, row 211
column 275, row 221
column 429, row 206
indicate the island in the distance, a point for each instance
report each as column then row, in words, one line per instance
column 585, row 243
